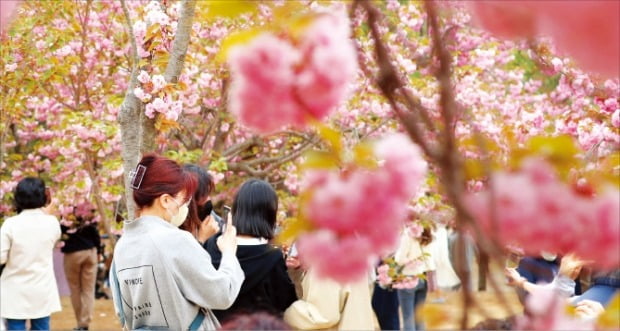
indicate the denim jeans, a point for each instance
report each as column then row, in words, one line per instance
column 409, row 300
column 385, row 305
column 42, row 323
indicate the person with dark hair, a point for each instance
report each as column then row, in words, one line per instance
column 160, row 277
column 28, row 289
column 201, row 222
column 267, row 286
column 82, row 248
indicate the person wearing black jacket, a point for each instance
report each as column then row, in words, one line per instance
column 82, row 246
column 267, row 286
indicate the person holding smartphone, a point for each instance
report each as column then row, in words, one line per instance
column 161, row 277
column 267, row 286
column 202, row 222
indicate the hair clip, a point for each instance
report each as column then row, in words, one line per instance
column 136, row 176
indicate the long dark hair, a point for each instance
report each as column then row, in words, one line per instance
column 254, row 209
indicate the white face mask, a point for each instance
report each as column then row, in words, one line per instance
column 181, row 215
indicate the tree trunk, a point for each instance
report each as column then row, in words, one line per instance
column 129, row 120
column 138, row 133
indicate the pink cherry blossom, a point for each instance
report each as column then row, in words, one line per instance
column 140, row 94
column 262, row 74
column 532, row 205
column 331, row 65
column 344, row 260
column 366, row 205
column 546, row 310
column 158, row 83
column 572, row 26
column 275, row 84
column 143, row 77
column 7, row 10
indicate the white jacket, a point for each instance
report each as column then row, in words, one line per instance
column 28, row 286
column 327, row 304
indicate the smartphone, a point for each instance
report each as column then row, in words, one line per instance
column 225, row 212
column 205, row 210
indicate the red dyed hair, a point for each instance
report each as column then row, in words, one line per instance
column 162, row 176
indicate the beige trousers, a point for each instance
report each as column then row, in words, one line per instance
column 81, row 272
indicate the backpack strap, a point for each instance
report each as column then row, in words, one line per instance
column 197, row 320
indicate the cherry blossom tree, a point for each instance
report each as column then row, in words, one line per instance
column 312, row 100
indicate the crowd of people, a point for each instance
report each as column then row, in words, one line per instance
column 178, row 265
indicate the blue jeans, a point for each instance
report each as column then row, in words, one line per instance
column 385, row 305
column 42, row 323
column 409, row 300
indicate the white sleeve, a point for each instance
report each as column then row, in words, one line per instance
column 200, row 282
column 5, row 241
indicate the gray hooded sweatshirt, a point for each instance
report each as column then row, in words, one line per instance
column 163, row 279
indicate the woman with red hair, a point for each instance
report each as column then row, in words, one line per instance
column 161, row 277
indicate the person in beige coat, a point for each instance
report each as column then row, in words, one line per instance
column 327, row 304
column 28, row 289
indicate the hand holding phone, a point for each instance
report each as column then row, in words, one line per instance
column 227, row 242
column 225, row 215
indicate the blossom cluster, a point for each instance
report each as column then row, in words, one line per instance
column 547, row 310
column 359, row 212
column 277, row 81
column 572, row 26
column 390, row 276
column 535, row 210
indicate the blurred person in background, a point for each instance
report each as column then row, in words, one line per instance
column 267, row 286
column 82, row 247
column 202, row 222
column 28, row 288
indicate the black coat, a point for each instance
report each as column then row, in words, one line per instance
column 267, row 286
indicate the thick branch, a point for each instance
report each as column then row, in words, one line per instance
column 92, row 173
column 390, row 83
column 173, row 68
